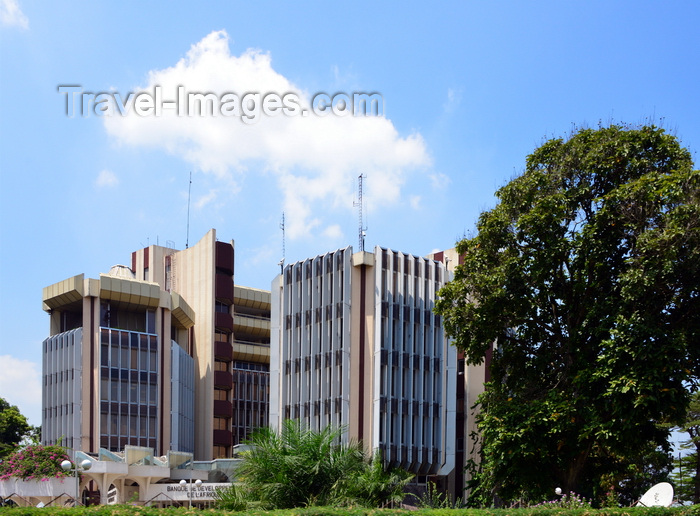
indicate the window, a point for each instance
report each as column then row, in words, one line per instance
column 150, row 321
column 221, row 336
column 222, row 307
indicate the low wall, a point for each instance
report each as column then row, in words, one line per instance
column 31, row 492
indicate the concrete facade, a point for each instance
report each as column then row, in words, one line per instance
column 106, row 365
column 355, row 343
column 147, row 355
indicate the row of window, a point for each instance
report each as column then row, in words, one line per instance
column 59, row 377
column 113, row 316
column 61, row 410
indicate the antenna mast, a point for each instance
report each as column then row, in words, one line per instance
column 281, row 264
column 189, row 196
column 362, row 230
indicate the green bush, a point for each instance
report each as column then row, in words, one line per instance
column 129, row 510
column 230, row 498
column 300, row 467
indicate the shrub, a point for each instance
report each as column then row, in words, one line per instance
column 35, row 462
column 230, row 498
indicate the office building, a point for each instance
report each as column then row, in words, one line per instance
column 470, row 384
column 149, row 355
column 108, row 365
column 355, row 343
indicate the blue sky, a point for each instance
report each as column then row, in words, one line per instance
column 469, row 89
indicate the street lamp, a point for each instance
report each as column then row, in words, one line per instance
column 66, row 465
column 183, row 483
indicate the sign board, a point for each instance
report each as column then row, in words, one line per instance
column 204, row 492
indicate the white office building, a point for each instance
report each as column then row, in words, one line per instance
column 355, row 342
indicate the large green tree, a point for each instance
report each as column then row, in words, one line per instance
column 13, row 427
column 586, row 278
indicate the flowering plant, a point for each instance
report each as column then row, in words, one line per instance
column 567, row 501
column 35, row 462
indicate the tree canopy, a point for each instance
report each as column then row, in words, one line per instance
column 585, row 279
column 13, row 427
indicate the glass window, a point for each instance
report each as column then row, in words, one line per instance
column 114, row 390
column 104, row 389
column 124, row 391
column 114, row 352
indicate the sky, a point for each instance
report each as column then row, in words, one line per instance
column 97, row 148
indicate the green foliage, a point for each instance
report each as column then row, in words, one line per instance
column 686, row 478
column 586, row 275
column 35, row 462
column 300, row 467
column 129, row 510
column 376, row 485
column 433, row 498
column 230, row 498
column 567, row 501
column 13, row 427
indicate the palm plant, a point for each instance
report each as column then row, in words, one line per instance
column 377, row 485
column 299, row 467
column 230, row 498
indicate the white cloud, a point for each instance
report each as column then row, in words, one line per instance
column 106, row 179
column 11, row 15
column 439, row 180
column 415, row 202
column 454, row 99
column 312, row 158
column 202, row 201
column 333, row 232
column 20, row 384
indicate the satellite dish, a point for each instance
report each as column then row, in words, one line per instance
column 660, row 495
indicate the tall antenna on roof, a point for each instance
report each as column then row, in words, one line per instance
column 189, row 196
column 362, row 230
column 281, row 264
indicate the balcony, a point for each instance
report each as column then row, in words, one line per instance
column 222, row 438
column 224, row 257
column 251, row 352
column 223, row 408
column 223, row 288
column 251, row 325
column 223, row 351
column 223, row 320
column 223, row 380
